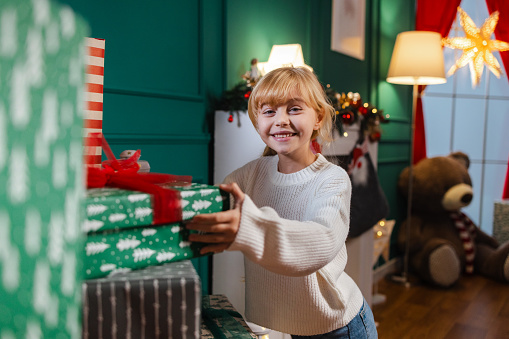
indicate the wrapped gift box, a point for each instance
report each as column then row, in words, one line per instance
column 124, row 250
column 501, row 220
column 156, row 302
column 221, row 320
column 93, row 117
column 112, row 208
column 41, row 207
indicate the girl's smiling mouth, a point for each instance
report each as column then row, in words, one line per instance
column 283, row 135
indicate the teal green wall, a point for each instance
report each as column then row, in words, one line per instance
column 252, row 27
column 159, row 73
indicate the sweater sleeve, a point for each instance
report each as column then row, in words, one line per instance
column 297, row 248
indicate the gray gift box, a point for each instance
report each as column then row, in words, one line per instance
column 155, row 302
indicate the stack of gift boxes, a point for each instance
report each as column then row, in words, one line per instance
column 138, row 282
column 130, row 289
column 121, row 235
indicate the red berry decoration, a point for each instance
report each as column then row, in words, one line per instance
column 347, row 118
column 230, row 118
column 247, row 94
column 363, row 110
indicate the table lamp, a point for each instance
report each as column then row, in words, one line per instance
column 283, row 56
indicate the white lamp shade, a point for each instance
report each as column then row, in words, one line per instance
column 417, row 59
column 284, row 56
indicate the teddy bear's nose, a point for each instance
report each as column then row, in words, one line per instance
column 467, row 198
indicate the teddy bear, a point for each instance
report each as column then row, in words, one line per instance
column 443, row 242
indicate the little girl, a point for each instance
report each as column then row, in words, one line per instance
column 290, row 217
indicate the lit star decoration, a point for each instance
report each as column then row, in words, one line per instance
column 477, row 47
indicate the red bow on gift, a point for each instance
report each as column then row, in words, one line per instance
column 124, row 174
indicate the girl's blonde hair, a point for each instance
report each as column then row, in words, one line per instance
column 283, row 84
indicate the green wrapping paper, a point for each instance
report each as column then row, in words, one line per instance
column 113, row 209
column 42, row 76
column 114, row 251
column 200, row 199
column 221, row 321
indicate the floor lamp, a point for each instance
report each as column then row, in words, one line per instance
column 417, row 59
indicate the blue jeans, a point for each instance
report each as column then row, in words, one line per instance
column 362, row 326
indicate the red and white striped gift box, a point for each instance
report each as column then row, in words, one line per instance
column 94, row 82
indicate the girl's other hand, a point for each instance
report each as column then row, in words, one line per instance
column 218, row 230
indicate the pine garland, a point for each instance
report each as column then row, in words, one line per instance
column 234, row 99
column 351, row 109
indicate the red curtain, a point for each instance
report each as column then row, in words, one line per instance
column 435, row 16
column 502, row 33
column 502, row 29
column 505, row 192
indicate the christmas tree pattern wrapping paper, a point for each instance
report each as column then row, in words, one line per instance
column 41, row 182
column 112, row 208
column 155, row 302
column 114, row 252
column 220, row 320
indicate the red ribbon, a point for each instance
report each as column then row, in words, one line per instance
column 124, row 174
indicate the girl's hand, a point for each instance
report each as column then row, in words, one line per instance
column 218, row 229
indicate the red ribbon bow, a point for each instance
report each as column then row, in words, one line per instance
column 124, row 174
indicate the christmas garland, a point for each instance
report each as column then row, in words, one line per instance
column 234, row 99
column 350, row 109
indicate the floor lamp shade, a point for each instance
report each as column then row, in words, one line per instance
column 417, row 59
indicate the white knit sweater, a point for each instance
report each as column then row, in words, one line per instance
column 292, row 232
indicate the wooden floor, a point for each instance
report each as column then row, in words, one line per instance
column 475, row 308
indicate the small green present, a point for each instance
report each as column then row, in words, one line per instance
column 112, row 208
column 201, row 199
column 501, row 220
column 220, row 320
column 124, row 250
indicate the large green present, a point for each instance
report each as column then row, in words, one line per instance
column 42, row 75
column 118, row 251
column 113, row 208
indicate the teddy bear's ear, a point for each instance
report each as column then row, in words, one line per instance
column 462, row 158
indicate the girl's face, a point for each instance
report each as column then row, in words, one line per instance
column 287, row 128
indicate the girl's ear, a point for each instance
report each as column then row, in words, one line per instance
column 318, row 122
